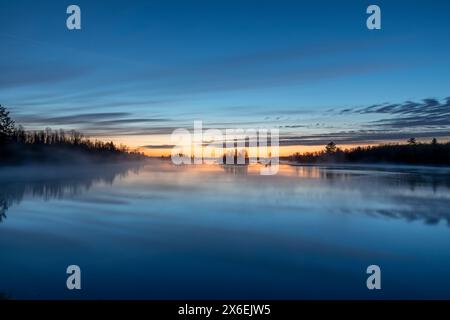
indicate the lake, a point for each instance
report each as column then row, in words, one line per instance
column 158, row 231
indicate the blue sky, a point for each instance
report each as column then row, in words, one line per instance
column 139, row 69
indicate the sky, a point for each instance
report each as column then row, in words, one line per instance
column 138, row 70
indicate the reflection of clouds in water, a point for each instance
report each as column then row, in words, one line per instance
column 408, row 193
column 398, row 192
column 55, row 183
column 391, row 192
column 430, row 211
column 313, row 225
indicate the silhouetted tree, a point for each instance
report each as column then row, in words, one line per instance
column 434, row 142
column 330, row 148
column 7, row 125
column 20, row 135
column 413, row 153
column 412, row 141
column 18, row 145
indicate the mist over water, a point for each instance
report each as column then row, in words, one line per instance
column 155, row 230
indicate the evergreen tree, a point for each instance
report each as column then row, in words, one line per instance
column 7, row 125
column 330, row 148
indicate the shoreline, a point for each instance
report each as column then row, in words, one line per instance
column 368, row 165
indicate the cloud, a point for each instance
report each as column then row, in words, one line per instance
column 358, row 137
column 42, row 73
column 261, row 69
column 220, row 79
column 428, row 106
column 100, row 124
column 425, row 119
column 429, row 121
column 429, row 112
column 131, row 121
column 71, row 119
column 128, row 131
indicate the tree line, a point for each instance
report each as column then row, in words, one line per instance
column 413, row 152
column 18, row 145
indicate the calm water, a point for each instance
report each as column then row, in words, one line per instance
column 166, row 232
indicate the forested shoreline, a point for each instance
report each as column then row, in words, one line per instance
column 19, row 146
column 412, row 152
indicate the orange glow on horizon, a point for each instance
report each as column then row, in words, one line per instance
column 283, row 150
column 137, row 143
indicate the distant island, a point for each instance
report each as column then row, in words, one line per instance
column 18, row 146
column 412, row 153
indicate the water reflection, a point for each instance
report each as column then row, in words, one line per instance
column 235, row 169
column 55, row 183
column 409, row 193
column 412, row 176
column 393, row 192
column 209, row 231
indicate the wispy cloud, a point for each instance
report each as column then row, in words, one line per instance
column 71, row 119
column 411, row 115
column 42, row 73
column 359, row 137
column 428, row 106
column 425, row 119
column 100, row 124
